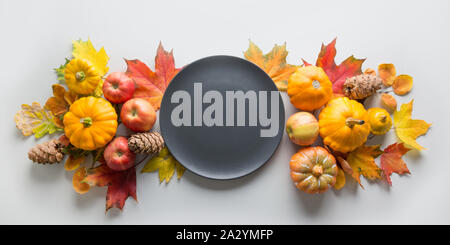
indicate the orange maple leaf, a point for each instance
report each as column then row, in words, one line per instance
column 151, row 85
column 391, row 161
column 337, row 73
column 273, row 63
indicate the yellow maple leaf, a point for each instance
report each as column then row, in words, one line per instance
column 85, row 50
column 362, row 161
column 408, row 129
column 166, row 164
column 34, row 119
column 273, row 63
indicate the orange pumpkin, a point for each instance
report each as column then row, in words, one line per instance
column 309, row 88
column 343, row 124
column 313, row 169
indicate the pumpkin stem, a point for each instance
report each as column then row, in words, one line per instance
column 80, row 76
column 316, row 84
column 87, row 122
column 383, row 118
column 350, row 122
column 317, row 170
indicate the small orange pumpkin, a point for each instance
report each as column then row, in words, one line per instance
column 343, row 124
column 309, row 88
column 313, row 169
column 90, row 123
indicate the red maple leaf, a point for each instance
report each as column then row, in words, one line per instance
column 337, row 73
column 121, row 184
column 391, row 161
column 150, row 84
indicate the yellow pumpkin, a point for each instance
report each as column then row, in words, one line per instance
column 309, row 88
column 380, row 121
column 313, row 169
column 81, row 77
column 90, row 123
column 343, row 124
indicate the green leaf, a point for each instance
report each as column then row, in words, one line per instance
column 60, row 71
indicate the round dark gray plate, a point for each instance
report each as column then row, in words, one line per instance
column 220, row 152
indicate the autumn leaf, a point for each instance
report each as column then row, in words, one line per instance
column 33, row 119
column 391, row 161
column 166, row 164
column 73, row 162
column 402, row 84
column 60, row 102
column 408, row 129
column 388, row 102
column 79, row 186
column 60, row 71
column 344, row 165
column 387, row 73
column 273, row 63
column 85, row 50
column 150, row 84
column 362, row 161
column 121, row 184
column 340, row 180
column 337, row 73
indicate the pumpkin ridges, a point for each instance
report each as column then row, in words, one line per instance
column 302, row 91
column 341, row 137
column 81, row 77
column 313, row 169
column 96, row 134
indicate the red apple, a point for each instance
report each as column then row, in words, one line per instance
column 118, row 87
column 118, row 156
column 302, row 128
column 138, row 115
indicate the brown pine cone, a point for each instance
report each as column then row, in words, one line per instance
column 47, row 152
column 362, row 86
column 147, row 143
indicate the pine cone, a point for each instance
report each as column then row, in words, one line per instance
column 148, row 143
column 361, row 86
column 47, row 152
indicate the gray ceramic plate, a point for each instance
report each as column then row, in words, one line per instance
column 220, row 152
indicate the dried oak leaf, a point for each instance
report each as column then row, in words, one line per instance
column 33, row 119
column 273, row 63
column 79, row 186
column 402, row 84
column 387, row 73
column 408, row 129
column 60, row 102
column 121, row 184
column 362, row 161
column 166, row 164
column 337, row 73
column 391, row 161
column 150, row 84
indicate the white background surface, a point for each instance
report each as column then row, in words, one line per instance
column 414, row 35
